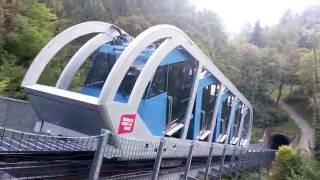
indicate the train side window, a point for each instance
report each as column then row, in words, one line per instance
column 130, row 79
column 225, row 115
column 100, row 70
column 226, row 111
column 159, row 82
column 235, row 126
column 181, row 77
column 246, row 126
column 209, row 97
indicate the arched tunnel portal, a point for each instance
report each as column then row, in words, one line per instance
column 277, row 140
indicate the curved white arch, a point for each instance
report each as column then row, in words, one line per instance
column 129, row 55
column 241, row 124
column 79, row 58
column 231, row 118
column 251, row 124
column 176, row 38
column 149, row 69
column 59, row 41
column 142, row 41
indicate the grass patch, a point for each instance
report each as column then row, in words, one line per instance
column 286, row 91
column 289, row 127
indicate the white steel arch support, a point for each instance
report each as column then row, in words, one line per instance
column 232, row 117
column 215, row 111
column 59, row 41
column 241, row 125
column 142, row 41
column 149, row 69
column 129, row 55
column 191, row 102
column 79, row 58
column 251, row 124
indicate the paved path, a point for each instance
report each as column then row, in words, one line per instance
column 307, row 132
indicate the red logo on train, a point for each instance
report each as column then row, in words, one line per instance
column 127, row 122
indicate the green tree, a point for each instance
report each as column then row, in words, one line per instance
column 256, row 35
column 25, row 27
column 310, row 39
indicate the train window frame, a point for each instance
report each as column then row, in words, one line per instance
column 193, row 65
column 97, row 62
column 125, row 89
column 236, row 124
column 214, row 89
column 165, row 81
column 246, row 126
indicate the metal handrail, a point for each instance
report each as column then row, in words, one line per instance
column 170, row 100
column 203, row 119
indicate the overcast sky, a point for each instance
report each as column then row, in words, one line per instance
column 236, row 13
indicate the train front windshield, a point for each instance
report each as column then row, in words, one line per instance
column 101, row 68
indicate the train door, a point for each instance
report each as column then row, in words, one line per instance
column 209, row 96
column 245, row 129
column 181, row 77
column 235, row 127
column 226, row 112
column 223, row 118
column 152, row 108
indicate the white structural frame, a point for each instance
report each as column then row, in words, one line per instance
column 79, row 58
column 174, row 38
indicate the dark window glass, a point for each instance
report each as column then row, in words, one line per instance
column 131, row 77
column 226, row 111
column 246, row 126
column 237, row 120
column 180, row 81
column 159, row 82
column 209, row 96
column 100, row 70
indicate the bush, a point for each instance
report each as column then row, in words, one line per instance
column 293, row 165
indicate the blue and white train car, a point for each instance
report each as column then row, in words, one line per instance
column 158, row 84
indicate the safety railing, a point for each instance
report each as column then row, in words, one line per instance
column 113, row 157
column 17, row 141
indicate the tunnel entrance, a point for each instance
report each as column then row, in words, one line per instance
column 278, row 140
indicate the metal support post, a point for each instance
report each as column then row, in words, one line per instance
column 246, row 159
column 260, row 162
column 232, row 159
column 259, row 171
column 208, row 167
column 185, row 177
column 239, row 162
column 98, row 156
column 222, row 161
column 157, row 164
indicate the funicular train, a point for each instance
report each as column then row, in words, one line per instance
column 157, row 84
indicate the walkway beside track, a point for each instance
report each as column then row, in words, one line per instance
column 307, row 132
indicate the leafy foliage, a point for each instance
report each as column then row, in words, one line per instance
column 24, row 30
column 293, row 165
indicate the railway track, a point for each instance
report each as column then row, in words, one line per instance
column 76, row 165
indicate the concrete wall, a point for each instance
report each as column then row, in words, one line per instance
column 17, row 114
